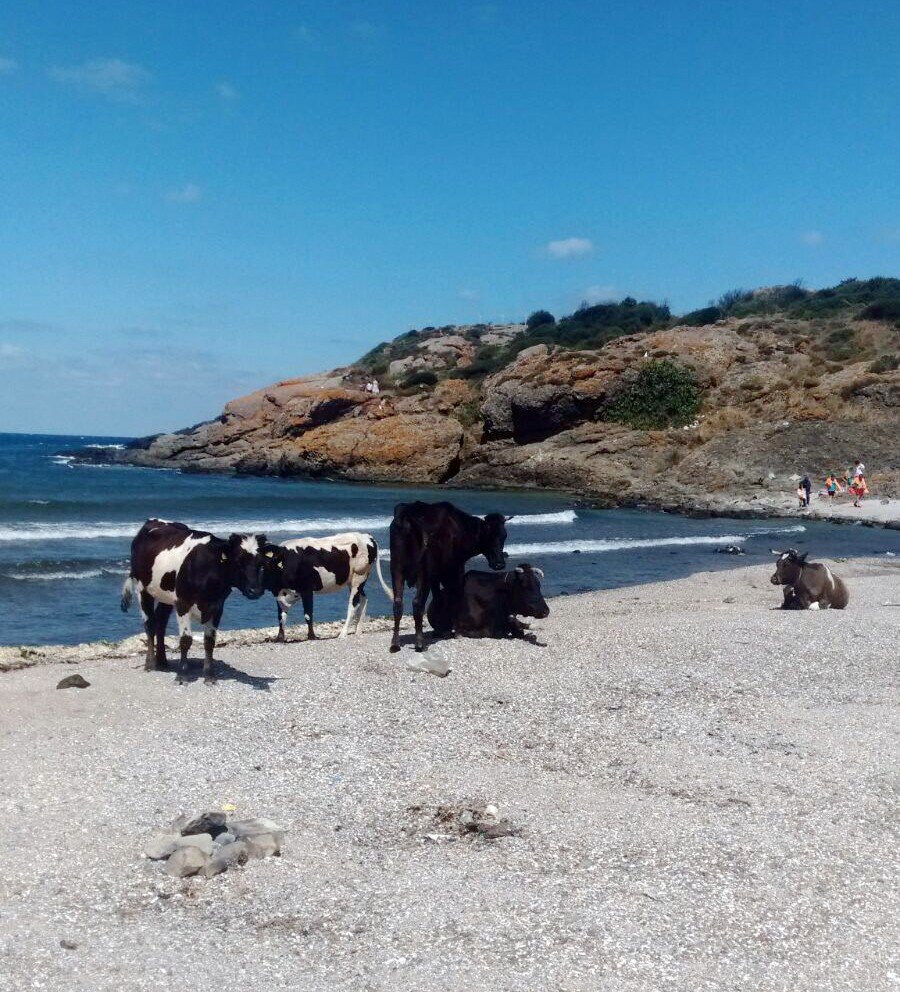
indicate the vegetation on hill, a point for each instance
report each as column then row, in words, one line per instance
column 663, row 395
column 867, row 299
column 830, row 312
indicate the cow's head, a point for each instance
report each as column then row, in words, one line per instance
column 525, row 597
column 274, row 557
column 788, row 568
column 493, row 537
column 246, row 563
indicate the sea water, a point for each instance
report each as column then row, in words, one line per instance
column 65, row 531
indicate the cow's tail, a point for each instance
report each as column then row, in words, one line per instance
column 127, row 593
column 387, row 589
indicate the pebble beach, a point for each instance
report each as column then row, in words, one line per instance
column 702, row 790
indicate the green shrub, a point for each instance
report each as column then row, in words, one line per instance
column 539, row 318
column 886, row 363
column 702, row 317
column 468, row 413
column 881, row 310
column 422, row 378
column 664, row 395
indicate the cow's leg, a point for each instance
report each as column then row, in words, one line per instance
column 351, row 611
column 284, row 604
column 163, row 612
column 397, row 588
column 419, row 599
column 148, row 615
column 210, row 627
column 362, row 601
column 185, row 640
column 307, row 597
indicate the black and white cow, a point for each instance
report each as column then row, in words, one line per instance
column 808, row 585
column 304, row 566
column 192, row 572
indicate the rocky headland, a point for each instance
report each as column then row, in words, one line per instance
column 718, row 411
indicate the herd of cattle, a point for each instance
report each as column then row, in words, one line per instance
column 174, row 567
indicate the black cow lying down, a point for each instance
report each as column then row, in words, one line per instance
column 173, row 566
column 808, row 585
column 491, row 603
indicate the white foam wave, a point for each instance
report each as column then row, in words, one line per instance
column 626, row 543
column 77, row 531
column 90, row 573
column 117, row 447
column 529, row 519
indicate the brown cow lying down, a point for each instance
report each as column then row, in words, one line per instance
column 490, row 603
column 808, row 586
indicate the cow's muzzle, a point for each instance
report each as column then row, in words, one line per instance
column 775, row 580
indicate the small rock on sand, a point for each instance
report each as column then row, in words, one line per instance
column 185, row 861
column 160, row 846
column 212, row 823
column 226, row 856
column 262, row 845
column 202, row 842
column 73, row 682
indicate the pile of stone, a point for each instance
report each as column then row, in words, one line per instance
column 213, row 842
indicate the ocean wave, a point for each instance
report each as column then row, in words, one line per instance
column 88, row 573
column 77, row 531
column 628, row 543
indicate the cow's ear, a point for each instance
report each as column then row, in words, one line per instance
column 263, row 541
column 802, row 558
column 510, row 517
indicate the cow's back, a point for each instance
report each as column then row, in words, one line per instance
column 329, row 562
column 432, row 534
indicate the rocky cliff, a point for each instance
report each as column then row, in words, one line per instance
column 778, row 395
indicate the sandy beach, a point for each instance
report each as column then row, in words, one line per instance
column 705, row 787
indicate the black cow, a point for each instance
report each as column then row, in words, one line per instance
column 430, row 545
column 491, row 603
column 807, row 585
column 194, row 572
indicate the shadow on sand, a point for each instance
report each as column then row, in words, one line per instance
column 223, row 672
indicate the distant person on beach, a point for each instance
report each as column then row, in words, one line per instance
column 860, row 470
column 832, row 486
column 859, row 489
column 806, row 486
column 801, row 497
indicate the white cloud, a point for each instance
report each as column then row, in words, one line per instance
column 600, row 294
column 8, row 66
column 226, row 91
column 189, row 193
column 13, row 356
column 468, row 294
column 813, row 238
column 569, row 247
column 111, row 78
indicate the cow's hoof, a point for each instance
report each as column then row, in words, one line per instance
column 209, row 680
column 420, row 647
column 395, row 648
column 162, row 663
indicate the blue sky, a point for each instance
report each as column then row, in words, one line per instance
column 198, row 199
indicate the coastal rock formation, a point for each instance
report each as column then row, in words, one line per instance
column 460, row 405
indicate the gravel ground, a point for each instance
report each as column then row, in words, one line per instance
column 706, row 790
